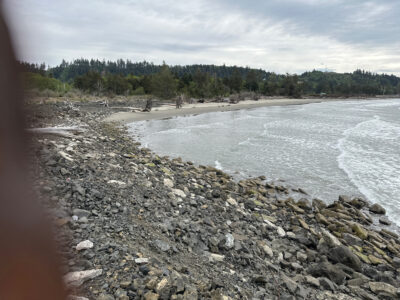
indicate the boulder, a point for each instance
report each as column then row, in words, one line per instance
column 382, row 287
column 326, row 269
column 377, row 209
column 342, row 254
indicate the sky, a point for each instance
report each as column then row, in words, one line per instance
column 283, row 36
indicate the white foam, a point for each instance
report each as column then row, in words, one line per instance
column 371, row 162
column 218, row 165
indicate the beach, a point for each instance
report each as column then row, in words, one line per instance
column 169, row 111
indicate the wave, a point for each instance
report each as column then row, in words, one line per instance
column 371, row 165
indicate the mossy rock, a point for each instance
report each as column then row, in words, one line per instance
column 360, row 231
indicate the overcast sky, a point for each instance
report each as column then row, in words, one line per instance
column 276, row 35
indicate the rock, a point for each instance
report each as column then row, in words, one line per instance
column 290, row 284
column 319, row 204
column 342, row 254
column 268, row 250
column 84, row 245
column 280, row 231
column 76, row 279
column 121, row 294
column 377, row 209
column 117, row 182
column 179, row 193
column 162, row 246
column 330, row 239
column 312, row 280
column 396, row 262
column 168, row 182
column 326, row 269
column 141, row 260
column 80, row 213
column 382, row 287
column 216, row 257
column 374, row 260
column 77, row 298
column 360, row 231
column 105, row 297
column 326, row 284
column 352, row 239
column 344, row 198
column 358, row 203
column 304, row 204
column 384, row 220
column 232, row 201
column 151, row 296
column 229, row 241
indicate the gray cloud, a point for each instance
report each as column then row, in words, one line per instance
column 277, row 35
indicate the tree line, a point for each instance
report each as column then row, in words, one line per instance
column 202, row 81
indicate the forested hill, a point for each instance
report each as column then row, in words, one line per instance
column 67, row 71
column 203, row 81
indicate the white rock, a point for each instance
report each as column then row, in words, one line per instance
column 232, row 201
column 66, row 156
column 76, row 279
column 84, row 245
column 270, row 225
column 141, row 260
column 330, row 239
column 281, row 232
column 268, row 251
column 168, row 182
column 116, row 182
column 216, row 257
column 229, row 241
column 179, row 193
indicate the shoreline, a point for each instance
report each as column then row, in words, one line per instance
column 165, row 228
column 169, row 111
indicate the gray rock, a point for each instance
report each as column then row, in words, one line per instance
column 384, row 220
column 162, row 246
column 80, row 213
column 327, row 284
column 76, row 279
column 229, row 241
column 326, row 269
column 342, row 254
column 382, row 287
column 312, row 280
column 377, row 209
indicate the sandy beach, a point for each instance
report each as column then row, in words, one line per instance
column 168, row 111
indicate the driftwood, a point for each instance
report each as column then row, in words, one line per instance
column 67, row 132
column 149, row 105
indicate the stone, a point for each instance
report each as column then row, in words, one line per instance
column 326, row 284
column 382, row 287
column 360, row 231
column 141, row 260
column 216, row 257
column 326, row 269
column 76, row 279
column 84, row 245
column 229, row 241
column 168, row 183
column 374, row 260
column 162, row 246
column 377, row 209
column 151, row 296
column 80, row 213
column 77, row 298
column 179, row 193
column 352, row 239
column 280, row 231
column 396, row 262
column 384, row 220
column 312, row 280
column 342, row 254
column 290, row 284
column 330, row 239
column 268, row 250
column 232, row 201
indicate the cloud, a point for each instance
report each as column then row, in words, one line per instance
column 276, row 35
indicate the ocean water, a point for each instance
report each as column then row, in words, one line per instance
column 328, row 149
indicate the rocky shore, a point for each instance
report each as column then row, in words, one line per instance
column 132, row 225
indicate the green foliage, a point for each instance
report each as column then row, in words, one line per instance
column 42, row 83
column 205, row 81
column 164, row 84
